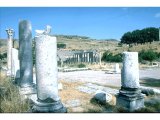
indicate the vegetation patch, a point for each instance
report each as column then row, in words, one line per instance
column 10, row 99
column 81, row 65
column 109, row 57
column 145, row 35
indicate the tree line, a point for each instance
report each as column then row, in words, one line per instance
column 143, row 55
column 143, row 36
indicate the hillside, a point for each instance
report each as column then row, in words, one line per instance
column 85, row 43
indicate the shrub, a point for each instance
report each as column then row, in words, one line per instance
column 109, row 57
column 120, row 44
column 61, row 45
column 2, row 56
column 148, row 55
column 81, row 65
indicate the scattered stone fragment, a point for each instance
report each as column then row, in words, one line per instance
column 102, row 97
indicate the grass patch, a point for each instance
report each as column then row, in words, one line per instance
column 11, row 101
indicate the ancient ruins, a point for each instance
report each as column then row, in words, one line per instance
column 25, row 57
column 47, row 99
column 130, row 96
column 78, row 56
column 10, row 33
column 43, row 91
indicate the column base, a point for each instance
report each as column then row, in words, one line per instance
column 44, row 107
column 130, row 99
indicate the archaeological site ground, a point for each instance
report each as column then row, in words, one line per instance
column 52, row 73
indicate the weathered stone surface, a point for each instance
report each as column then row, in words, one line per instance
column 46, row 67
column 15, row 64
column 25, row 54
column 46, row 107
column 130, row 102
column 130, row 70
column 149, row 90
column 102, row 97
column 10, row 33
column 130, row 97
column 91, row 88
column 48, row 99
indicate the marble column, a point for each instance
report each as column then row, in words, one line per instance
column 25, row 57
column 15, row 65
column 91, row 57
column 78, row 58
column 83, row 57
column 87, row 57
column 74, row 58
column 10, row 33
column 116, row 68
column 130, row 97
column 47, row 99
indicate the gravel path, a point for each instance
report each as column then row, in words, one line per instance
column 150, row 73
column 91, row 76
column 101, row 78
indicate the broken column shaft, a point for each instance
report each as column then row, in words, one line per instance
column 47, row 99
column 130, row 97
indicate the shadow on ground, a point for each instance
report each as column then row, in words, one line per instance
column 150, row 82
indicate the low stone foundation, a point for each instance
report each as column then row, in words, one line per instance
column 130, row 99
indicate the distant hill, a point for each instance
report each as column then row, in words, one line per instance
column 74, row 42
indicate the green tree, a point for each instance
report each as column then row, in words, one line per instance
column 149, row 34
column 148, row 55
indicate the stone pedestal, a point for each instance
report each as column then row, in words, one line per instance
column 46, row 73
column 25, row 57
column 10, row 33
column 130, row 97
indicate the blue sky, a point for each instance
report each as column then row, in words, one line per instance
column 94, row 22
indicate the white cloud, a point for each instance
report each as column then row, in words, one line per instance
column 157, row 15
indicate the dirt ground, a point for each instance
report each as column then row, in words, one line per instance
column 100, row 77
